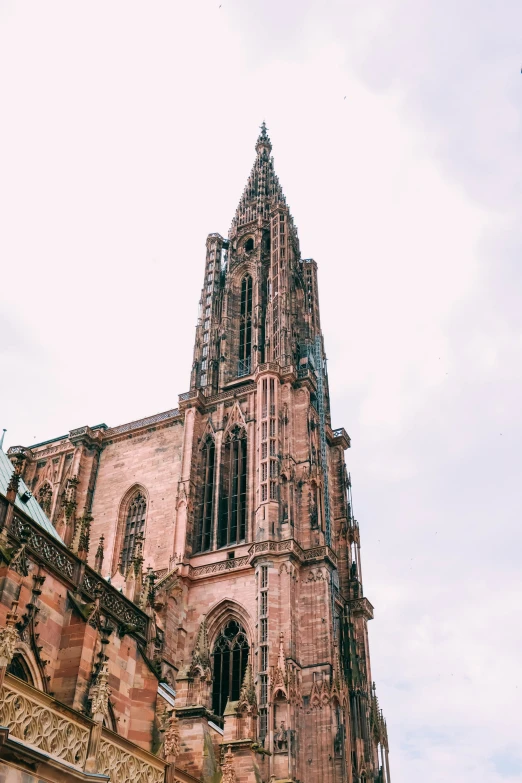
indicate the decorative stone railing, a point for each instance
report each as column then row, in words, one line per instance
column 290, row 545
column 342, row 436
column 64, row 563
column 39, row 722
column 124, row 762
column 221, row 565
column 53, row 552
column 149, row 421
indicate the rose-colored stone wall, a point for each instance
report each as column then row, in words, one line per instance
column 151, row 460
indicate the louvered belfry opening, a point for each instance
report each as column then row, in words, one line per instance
column 230, row 659
column 134, row 526
column 205, row 513
column 233, row 500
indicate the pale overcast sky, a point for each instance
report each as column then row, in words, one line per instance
column 127, row 134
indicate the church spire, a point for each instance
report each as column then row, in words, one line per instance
column 263, row 140
column 263, row 190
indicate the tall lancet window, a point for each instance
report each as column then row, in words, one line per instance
column 233, row 500
column 134, row 526
column 230, row 658
column 245, row 327
column 205, row 513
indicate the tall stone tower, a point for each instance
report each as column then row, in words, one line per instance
column 275, row 644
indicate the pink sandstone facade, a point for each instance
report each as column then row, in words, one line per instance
column 221, row 600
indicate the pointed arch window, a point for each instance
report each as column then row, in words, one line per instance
column 134, row 526
column 205, row 511
column 20, row 669
column 233, row 496
column 245, row 327
column 230, row 659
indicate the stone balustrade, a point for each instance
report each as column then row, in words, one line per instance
column 38, row 723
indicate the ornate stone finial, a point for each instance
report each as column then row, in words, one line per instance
column 281, row 674
column 45, row 497
column 229, row 775
column 201, row 654
column 98, row 559
column 69, row 497
column 85, row 535
column 9, row 637
column 137, row 557
column 99, row 695
column 247, row 694
column 148, row 593
column 16, row 476
column 171, row 740
column 263, row 140
column 19, row 561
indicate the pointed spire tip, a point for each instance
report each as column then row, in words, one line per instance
column 263, row 140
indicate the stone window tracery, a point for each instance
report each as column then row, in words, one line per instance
column 230, row 659
column 134, row 526
column 233, row 497
column 19, row 668
column 205, row 515
column 245, row 327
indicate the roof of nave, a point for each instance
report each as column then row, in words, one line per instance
column 263, row 190
column 30, row 506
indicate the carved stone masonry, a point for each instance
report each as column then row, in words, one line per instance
column 16, row 476
column 229, row 774
column 9, row 637
column 171, row 742
column 99, row 695
column 201, row 654
column 19, row 562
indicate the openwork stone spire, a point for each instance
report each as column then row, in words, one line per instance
column 201, row 654
column 263, row 190
column 247, row 695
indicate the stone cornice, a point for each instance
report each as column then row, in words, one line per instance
column 157, row 421
column 257, row 550
column 291, row 546
column 100, row 437
column 362, row 607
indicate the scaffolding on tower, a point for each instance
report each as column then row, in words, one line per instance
column 320, row 369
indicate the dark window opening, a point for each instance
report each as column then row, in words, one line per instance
column 230, row 658
column 18, row 668
column 233, row 500
column 245, row 327
column 134, row 526
column 205, row 515
column 249, row 245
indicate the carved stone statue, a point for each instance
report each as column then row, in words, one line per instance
column 281, row 738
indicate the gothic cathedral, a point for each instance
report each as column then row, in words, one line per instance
column 224, row 583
